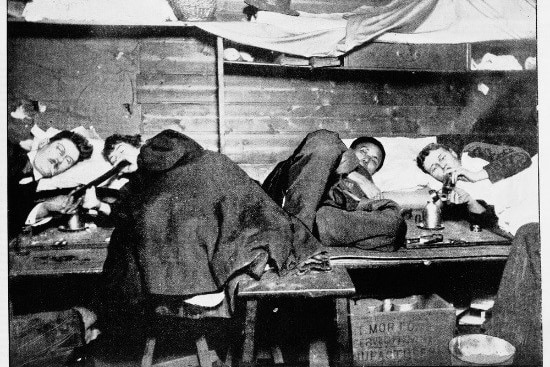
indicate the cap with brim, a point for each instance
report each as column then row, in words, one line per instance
column 278, row 6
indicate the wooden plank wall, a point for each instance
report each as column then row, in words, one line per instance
column 176, row 87
column 80, row 81
column 148, row 82
column 270, row 109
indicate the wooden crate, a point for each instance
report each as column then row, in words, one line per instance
column 417, row 337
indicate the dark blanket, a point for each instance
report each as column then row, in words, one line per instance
column 302, row 185
column 190, row 220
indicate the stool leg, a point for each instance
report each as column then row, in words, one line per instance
column 229, row 357
column 147, row 359
column 277, row 355
column 203, row 353
column 318, row 355
column 249, row 330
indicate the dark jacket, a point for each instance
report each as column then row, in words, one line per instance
column 504, row 161
column 192, row 219
column 20, row 196
column 312, row 185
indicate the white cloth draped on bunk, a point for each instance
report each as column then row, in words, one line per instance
column 333, row 34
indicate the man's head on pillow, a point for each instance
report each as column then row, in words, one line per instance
column 61, row 152
column 120, row 148
column 437, row 160
column 370, row 152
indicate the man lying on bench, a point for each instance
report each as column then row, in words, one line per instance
column 330, row 189
column 507, row 179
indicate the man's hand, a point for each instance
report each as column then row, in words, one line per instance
column 367, row 186
column 64, row 204
column 463, row 174
column 459, row 196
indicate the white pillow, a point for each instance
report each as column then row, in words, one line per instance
column 82, row 172
column 515, row 199
column 400, row 172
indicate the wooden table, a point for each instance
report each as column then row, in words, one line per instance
column 54, row 252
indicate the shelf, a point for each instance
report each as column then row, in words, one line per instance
column 375, row 56
column 437, row 57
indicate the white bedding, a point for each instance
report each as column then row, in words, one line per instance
column 400, row 172
column 100, row 11
column 451, row 21
column 516, row 198
column 81, row 173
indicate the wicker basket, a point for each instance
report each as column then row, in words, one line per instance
column 193, row 10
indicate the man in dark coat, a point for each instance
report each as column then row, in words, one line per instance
column 330, row 189
column 190, row 221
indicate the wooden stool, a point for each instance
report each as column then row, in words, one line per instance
column 334, row 284
column 204, row 357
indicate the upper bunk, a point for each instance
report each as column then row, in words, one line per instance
column 427, row 35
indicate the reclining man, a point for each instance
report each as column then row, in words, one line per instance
column 330, row 189
column 480, row 166
column 25, row 168
column 516, row 315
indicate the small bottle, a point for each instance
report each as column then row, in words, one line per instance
column 432, row 212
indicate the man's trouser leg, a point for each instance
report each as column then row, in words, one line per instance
column 41, row 339
column 375, row 230
column 517, row 312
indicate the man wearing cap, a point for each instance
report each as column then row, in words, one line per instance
column 330, row 189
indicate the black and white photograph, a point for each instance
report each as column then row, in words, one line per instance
column 235, row 183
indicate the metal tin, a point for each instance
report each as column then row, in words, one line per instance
column 370, row 305
column 432, row 215
column 405, row 304
column 475, row 228
column 388, row 305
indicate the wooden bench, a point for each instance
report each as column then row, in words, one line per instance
column 335, row 284
column 473, row 247
column 84, row 252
